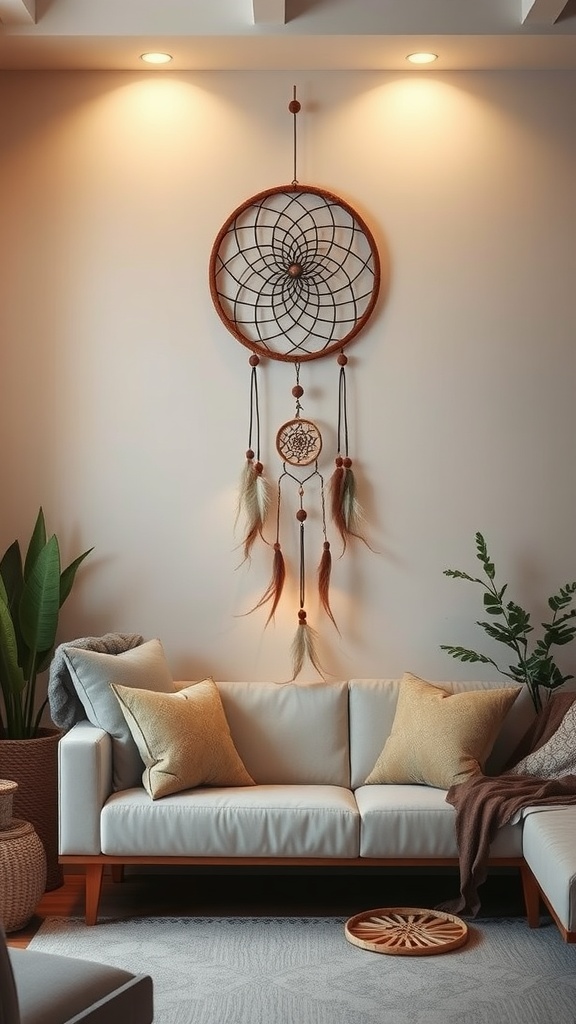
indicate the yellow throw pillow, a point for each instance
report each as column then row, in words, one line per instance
column 183, row 738
column 439, row 738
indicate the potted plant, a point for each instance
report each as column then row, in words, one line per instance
column 510, row 625
column 32, row 591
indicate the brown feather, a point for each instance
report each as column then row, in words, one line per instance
column 347, row 512
column 274, row 589
column 324, row 572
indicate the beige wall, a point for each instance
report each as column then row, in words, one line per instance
column 124, row 401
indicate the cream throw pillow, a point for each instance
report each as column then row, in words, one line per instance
column 183, row 738
column 440, row 738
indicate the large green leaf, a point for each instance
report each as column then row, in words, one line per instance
column 69, row 574
column 40, row 601
column 11, row 675
column 12, row 575
column 37, row 542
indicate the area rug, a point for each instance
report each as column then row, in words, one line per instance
column 302, row 970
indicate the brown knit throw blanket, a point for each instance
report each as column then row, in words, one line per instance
column 484, row 804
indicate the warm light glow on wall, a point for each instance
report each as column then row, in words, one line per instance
column 156, row 58
column 422, row 58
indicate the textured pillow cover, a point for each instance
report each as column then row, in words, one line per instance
column 555, row 758
column 183, row 738
column 144, row 667
column 439, row 738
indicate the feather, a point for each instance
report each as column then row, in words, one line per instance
column 274, row 589
column 304, row 646
column 347, row 512
column 324, row 572
column 253, row 502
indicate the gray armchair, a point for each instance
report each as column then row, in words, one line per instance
column 42, row 988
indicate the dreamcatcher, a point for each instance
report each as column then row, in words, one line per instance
column 294, row 276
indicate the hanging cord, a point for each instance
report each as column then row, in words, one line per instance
column 294, row 107
column 254, row 493
column 346, row 510
column 342, row 406
column 297, row 391
column 254, row 409
column 325, row 566
column 305, row 639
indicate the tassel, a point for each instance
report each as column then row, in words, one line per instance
column 324, row 572
column 274, row 589
column 304, row 645
column 253, row 501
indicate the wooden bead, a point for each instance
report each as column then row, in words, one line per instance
column 302, row 616
column 297, row 391
column 301, row 515
column 342, row 359
column 294, row 107
column 346, row 463
column 249, row 455
column 254, row 360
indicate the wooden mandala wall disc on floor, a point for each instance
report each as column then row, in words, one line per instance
column 406, row 931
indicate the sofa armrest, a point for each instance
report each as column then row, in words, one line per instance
column 84, row 785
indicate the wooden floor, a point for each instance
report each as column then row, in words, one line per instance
column 257, row 893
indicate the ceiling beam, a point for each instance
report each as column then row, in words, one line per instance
column 17, row 12
column 269, row 11
column 542, row 12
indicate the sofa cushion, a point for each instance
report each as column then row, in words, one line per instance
column 183, row 738
column 413, row 822
column 91, row 672
column 262, row 821
column 440, row 738
column 290, row 733
column 550, row 852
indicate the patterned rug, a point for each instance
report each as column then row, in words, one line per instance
column 296, row 970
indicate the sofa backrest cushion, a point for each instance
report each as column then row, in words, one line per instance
column 290, row 733
column 373, row 708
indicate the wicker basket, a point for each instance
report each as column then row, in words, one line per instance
column 33, row 764
column 22, row 874
column 7, row 789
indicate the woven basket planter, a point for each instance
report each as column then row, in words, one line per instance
column 33, row 764
column 22, row 874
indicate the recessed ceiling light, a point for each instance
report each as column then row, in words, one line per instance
column 422, row 58
column 156, row 58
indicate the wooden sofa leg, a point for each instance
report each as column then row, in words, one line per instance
column 531, row 896
column 94, row 873
column 117, row 872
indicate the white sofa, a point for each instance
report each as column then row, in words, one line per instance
column 309, row 748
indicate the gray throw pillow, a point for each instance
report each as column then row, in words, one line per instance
column 144, row 667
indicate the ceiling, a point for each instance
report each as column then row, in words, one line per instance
column 287, row 35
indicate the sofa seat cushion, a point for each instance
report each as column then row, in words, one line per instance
column 549, row 849
column 259, row 821
column 408, row 821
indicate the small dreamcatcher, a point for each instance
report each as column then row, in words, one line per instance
column 294, row 276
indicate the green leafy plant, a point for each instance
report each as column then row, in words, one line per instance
column 31, row 595
column 535, row 667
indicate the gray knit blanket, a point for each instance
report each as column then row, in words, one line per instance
column 65, row 705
